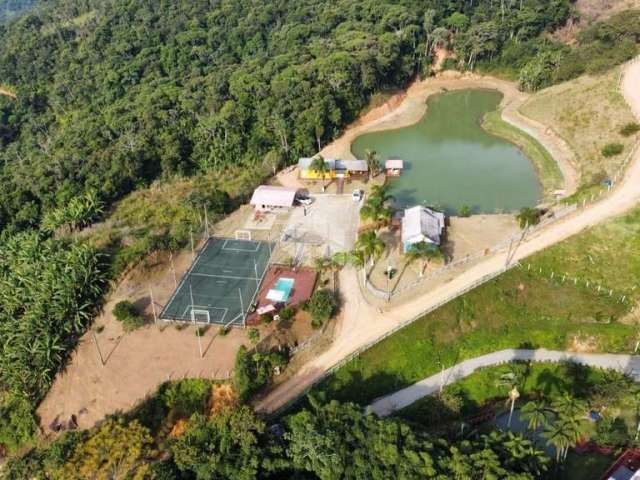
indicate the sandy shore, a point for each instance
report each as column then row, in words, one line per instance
column 408, row 107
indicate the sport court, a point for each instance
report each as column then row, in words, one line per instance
column 221, row 284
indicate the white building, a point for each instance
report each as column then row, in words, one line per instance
column 422, row 224
column 267, row 197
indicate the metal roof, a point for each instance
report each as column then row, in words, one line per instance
column 422, row 223
column 273, row 196
column 333, row 164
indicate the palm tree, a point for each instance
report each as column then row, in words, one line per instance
column 536, row 414
column 318, row 165
column 423, row 251
column 557, row 435
column 373, row 164
column 375, row 208
column 357, row 259
column 370, row 245
column 381, row 193
column 511, row 379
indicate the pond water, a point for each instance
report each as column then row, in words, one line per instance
column 451, row 161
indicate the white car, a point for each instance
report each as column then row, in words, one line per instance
column 357, row 195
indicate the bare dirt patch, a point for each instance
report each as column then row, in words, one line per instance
column 136, row 363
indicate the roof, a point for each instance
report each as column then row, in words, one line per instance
column 352, row 165
column 394, row 164
column 273, row 196
column 305, row 162
column 333, row 164
column 421, row 222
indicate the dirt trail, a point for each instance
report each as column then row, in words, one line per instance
column 362, row 324
column 7, row 93
column 408, row 107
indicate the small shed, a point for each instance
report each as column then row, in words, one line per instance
column 422, row 224
column 393, row 167
column 351, row 167
column 267, row 197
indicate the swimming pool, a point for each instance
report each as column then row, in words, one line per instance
column 285, row 285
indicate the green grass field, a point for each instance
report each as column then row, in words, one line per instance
column 518, row 309
column 546, row 167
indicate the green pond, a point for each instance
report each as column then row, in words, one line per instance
column 451, row 161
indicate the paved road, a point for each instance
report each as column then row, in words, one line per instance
column 362, row 325
column 383, row 406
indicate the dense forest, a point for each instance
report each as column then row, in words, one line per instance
column 111, row 95
column 325, row 441
column 11, row 9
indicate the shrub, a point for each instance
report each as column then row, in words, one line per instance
column 528, row 216
column 322, row 305
column 254, row 335
column 17, row 425
column 223, row 331
column 253, row 370
column 127, row 313
column 629, row 129
column 188, row 396
column 266, row 318
column 465, row 211
column 287, row 313
column 612, row 149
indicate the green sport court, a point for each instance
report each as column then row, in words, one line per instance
column 221, row 284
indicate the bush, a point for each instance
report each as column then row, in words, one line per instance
column 612, row 149
column 254, row 335
column 224, row 331
column 266, row 318
column 127, row 313
column 17, row 425
column 253, row 370
column 465, row 211
column 322, row 305
column 528, row 216
column 287, row 313
column 629, row 129
column 188, row 396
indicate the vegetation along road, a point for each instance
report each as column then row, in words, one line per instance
column 627, row 364
column 361, row 324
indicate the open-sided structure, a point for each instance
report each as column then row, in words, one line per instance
column 221, row 285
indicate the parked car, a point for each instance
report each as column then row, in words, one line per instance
column 306, row 201
column 357, row 195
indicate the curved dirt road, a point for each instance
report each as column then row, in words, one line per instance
column 383, row 406
column 361, row 324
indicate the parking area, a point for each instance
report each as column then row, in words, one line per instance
column 330, row 223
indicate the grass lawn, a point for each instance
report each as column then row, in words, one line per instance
column 518, row 309
column 588, row 113
column 547, row 168
column 546, row 380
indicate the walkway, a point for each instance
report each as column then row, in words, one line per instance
column 361, row 325
column 628, row 364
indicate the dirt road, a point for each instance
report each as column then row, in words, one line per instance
column 361, row 324
column 409, row 107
